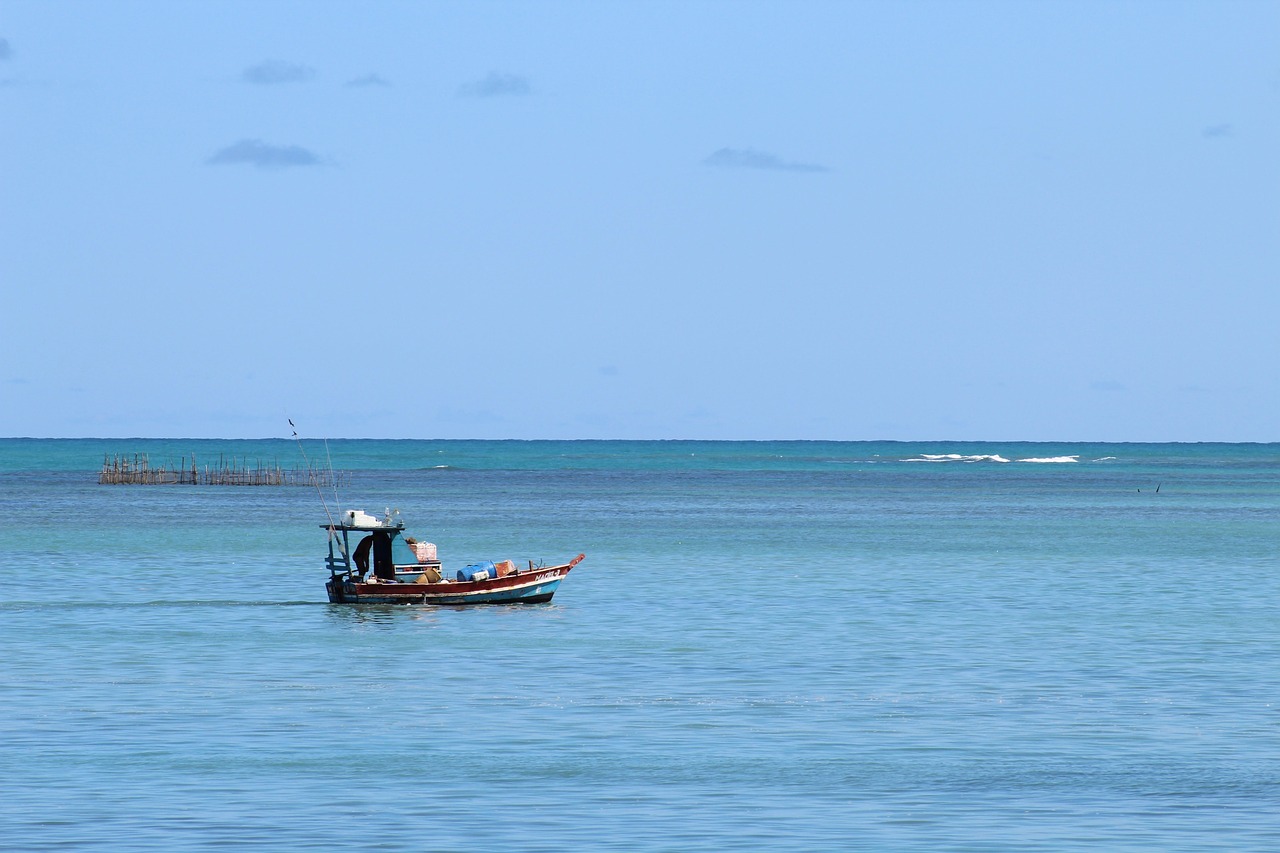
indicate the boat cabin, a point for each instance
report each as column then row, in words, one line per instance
column 361, row 544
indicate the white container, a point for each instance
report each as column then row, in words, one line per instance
column 425, row 552
column 360, row 518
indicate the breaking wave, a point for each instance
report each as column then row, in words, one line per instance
column 989, row 457
column 955, row 457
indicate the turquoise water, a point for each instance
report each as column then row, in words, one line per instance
column 770, row 646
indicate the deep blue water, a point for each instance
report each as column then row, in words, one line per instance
column 770, row 646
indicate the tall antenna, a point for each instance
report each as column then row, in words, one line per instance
column 314, row 479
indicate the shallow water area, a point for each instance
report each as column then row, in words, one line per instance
column 791, row 645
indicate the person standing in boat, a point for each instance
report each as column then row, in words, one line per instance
column 380, row 544
column 361, row 555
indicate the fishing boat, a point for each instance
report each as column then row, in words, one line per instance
column 371, row 561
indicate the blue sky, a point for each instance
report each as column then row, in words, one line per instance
column 854, row 220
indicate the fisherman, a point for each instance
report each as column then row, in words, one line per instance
column 361, row 555
column 379, row 544
column 384, row 568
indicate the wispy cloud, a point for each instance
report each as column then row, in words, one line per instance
column 496, row 85
column 749, row 158
column 1217, row 131
column 368, row 80
column 255, row 152
column 274, row 71
column 6, row 52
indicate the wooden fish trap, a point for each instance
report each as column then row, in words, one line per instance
column 137, row 470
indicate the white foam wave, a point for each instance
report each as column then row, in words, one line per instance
column 956, row 457
column 1051, row 460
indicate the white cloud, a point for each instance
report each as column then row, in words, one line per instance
column 749, row 158
column 273, row 72
column 367, row 81
column 255, row 152
column 497, row 85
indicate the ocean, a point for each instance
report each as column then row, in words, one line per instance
column 770, row 646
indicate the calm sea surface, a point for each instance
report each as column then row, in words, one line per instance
column 792, row 645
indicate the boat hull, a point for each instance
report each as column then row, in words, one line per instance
column 535, row 586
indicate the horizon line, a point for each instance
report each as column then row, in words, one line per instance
column 690, row 440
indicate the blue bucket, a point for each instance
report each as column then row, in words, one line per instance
column 469, row 572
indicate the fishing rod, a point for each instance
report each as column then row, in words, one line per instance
column 314, row 480
column 333, row 478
